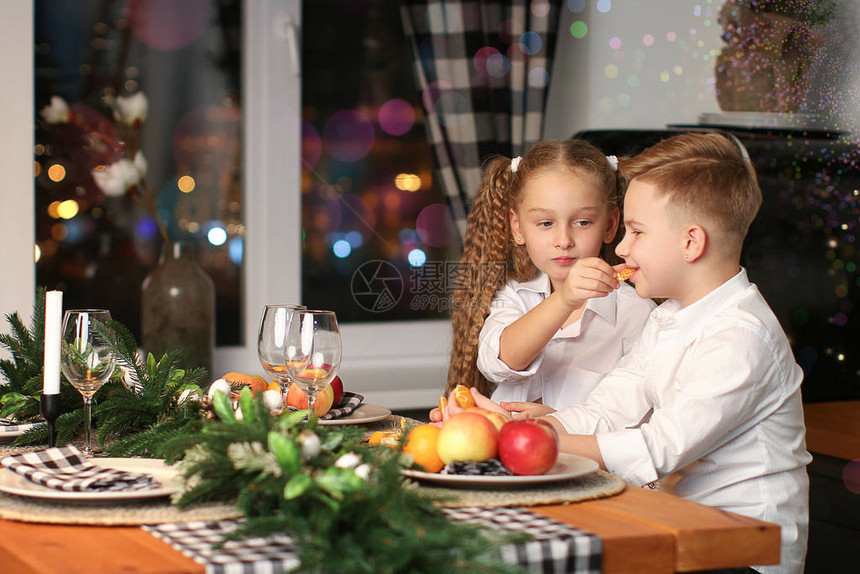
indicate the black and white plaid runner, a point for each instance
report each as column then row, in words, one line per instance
column 348, row 403
column 65, row 468
column 556, row 547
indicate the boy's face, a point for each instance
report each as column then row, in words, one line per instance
column 653, row 242
column 562, row 217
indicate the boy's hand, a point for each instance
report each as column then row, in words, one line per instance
column 588, row 278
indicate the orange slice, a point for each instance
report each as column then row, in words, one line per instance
column 625, row 274
column 443, row 403
column 464, row 397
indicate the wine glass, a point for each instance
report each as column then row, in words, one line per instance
column 313, row 351
column 87, row 358
column 271, row 341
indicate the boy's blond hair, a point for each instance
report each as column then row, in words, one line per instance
column 707, row 177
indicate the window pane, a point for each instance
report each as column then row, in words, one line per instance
column 379, row 241
column 185, row 58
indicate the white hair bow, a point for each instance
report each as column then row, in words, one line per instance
column 515, row 163
column 613, row 162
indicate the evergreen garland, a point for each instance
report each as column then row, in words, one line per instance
column 342, row 501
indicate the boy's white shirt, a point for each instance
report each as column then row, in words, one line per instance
column 576, row 358
column 711, row 392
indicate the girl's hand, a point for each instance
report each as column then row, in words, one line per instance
column 587, row 279
column 520, row 410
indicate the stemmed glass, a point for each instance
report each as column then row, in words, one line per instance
column 313, row 351
column 87, row 358
column 271, row 341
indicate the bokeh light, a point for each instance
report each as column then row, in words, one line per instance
column 417, row 257
column 579, row 29
column 851, row 476
column 604, row 6
column 435, row 226
column 236, row 250
column 348, row 135
column 396, row 117
column 576, row 6
column 615, row 43
column 216, row 235
column 538, row 78
column 186, row 184
column 67, row 209
column 530, row 43
column 37, row 253
column 311, row 144
column 479, row 60
column 341, row 248
column 407, row 182
column 56, row 172
column 167, row 24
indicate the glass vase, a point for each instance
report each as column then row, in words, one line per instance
column 178, row 309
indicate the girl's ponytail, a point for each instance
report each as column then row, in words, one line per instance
column 482, row 271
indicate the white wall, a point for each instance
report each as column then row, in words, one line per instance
column 17, row 269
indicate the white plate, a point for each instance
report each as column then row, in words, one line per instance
column 567, row 466
column 365, row 413
column 167, row 477
column 22, row 428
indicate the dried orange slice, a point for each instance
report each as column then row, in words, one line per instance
column 387, row 438
column 625, row 274
column 464, row 397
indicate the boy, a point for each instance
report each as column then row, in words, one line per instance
column 711, row 391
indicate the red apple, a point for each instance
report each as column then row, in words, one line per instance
column 297, row 398
column 528, row 446
column 337, row 387
column 467, row 436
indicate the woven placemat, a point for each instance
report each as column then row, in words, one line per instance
column 598, row 484
column 127, row 514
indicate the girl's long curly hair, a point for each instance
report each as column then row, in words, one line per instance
column 490, row 255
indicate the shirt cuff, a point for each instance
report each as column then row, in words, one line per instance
column 626, row 454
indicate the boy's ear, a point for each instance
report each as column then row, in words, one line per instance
column 612, row 225
column 515, row 228
column 696, row 240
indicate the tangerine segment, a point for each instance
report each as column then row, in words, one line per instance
column 443, row 403
column 625, row 274
column 421, row 444
column 464, row 397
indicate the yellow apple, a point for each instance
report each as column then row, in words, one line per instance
column 497, row 419
column 467, row 436
column 297, row 398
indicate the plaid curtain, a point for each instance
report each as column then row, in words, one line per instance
column 482, row 69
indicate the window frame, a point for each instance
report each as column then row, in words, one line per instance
column 396, row 364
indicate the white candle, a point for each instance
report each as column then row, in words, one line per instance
column 53, row 336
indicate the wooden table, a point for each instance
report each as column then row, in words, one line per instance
column 641, row 530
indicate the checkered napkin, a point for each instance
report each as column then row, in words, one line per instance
column 348, row 403
column 556, row 547
column 65, row 468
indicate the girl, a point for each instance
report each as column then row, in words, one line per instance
column 537, row 315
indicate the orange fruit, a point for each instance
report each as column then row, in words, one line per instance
column 257, row 384
column 464, row 397
column 273, row 386
column 421, row 444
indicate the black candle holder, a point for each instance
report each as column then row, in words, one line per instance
column 50, row 407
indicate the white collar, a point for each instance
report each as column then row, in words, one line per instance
column 691, row 319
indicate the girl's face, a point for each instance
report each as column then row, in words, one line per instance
column 562, row 216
